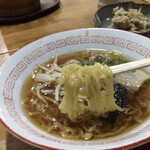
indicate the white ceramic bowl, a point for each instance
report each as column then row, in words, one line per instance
column 15, row 70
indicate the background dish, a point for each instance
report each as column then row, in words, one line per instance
column 104, row 15
column 20, row 65
column 46, row 7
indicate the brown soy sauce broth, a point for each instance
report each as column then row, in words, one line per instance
column 52, row 121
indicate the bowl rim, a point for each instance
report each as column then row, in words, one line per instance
column 132, row 145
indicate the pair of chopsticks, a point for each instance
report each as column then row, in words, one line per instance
column 130, row 66
column 118, row 68
column 10, row 51
column 148, row 1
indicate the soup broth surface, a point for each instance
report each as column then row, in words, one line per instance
column 48, row 117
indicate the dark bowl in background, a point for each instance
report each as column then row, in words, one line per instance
column 104, row 15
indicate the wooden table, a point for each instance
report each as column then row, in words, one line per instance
column 72, row 14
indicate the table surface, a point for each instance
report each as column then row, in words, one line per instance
column 72, row 14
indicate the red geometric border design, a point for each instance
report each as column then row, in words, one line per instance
column 33, row 132
column 60, row 43
column 96, row 39
column 49, row 47
column 9, row 103
column 131, row 45
column 108, row 40
column 22, row 124
column 13, row 114
column 21, row 66
column 38, row 52
column 14, row 74
column 71, row 40
column 7, row 93
column 83, row 39
column 142, row 50
column 148, row 55
column 9, row 84
column 29, row 58
column 119, row 42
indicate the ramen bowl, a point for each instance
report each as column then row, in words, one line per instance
column 19, row 66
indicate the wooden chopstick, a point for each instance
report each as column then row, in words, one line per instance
column 148, row 1
column 130, row 66
column 10, row 51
